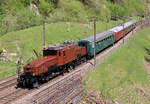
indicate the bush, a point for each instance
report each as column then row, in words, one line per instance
column 126, row 8
column 23, row 19
column 26, row 2
column 68, row 11
column 45, row 8
column 9, row 23
column 1, row 51
column 27, row 18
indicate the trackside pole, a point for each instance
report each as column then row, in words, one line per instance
column 94, row 42
column 19, row 62
column 43, row 33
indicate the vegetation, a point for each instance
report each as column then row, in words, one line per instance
column 17, row 14
column 1, row 51
column 147, row 57
column 7, row 69
column 121, row 75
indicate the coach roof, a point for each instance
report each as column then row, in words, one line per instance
column 129, row 23
column 117, row 28
column 99, row 36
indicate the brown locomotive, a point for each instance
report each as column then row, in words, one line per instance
column 57, row 60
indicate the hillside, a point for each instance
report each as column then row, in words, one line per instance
column 124, row 77
column 22, row 43
column 17, row 14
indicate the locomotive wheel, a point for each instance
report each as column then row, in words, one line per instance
column 44, row 79
column 47, row 78
column 71, row 67
column 63, row 71
column 67, row 69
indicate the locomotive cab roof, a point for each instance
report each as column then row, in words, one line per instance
column 60, row 46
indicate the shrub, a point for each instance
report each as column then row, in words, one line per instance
column 26, row 2
column 1, row 51
column 9, row 23
column 45, row 8
column 126, row 7
column 23, row 19
column 27, row 18
column 69, row 11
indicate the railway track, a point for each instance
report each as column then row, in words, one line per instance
column 13, row 96
column 8, row 91
column 8, row 84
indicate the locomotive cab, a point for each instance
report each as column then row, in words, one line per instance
column 56, row 60
column 28, row 69
column 47, row 52
column 83, row 44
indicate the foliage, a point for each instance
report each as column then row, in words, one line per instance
column 126, row 8
column 65, row 10
column 116, row 10
column 27, row 18
column 13, row 6
column 8, row 24
column 98, row 7
column 2, row 11
column 23, row 19
column 45, row 8
column 1, row 51
column 26, row 2
column 147, row 57
column 70, row 10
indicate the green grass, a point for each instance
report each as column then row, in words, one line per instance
column 31, row 38
column 123, row 71
column 7, row 69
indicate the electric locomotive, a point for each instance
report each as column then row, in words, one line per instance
column 56, row 60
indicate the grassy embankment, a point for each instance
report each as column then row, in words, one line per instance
column 122, row 74
column 24, row 41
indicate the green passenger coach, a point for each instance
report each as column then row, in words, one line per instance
column 130, row 25
column 103, row 40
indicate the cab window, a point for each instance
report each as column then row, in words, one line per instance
column 59, row 53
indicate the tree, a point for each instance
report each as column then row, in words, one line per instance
column 45, row 8
column 26, row 2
